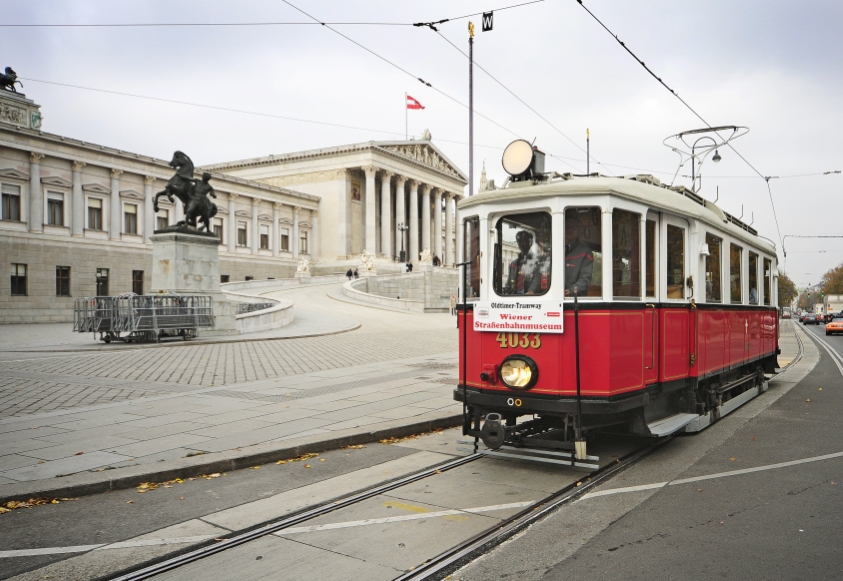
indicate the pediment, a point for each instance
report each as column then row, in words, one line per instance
column 134, row 194
column 14, row 174
column 304, row 224
column 425, row 154
column 284, row 220
column 56, row 182
column 264, row 217
column 95, row 189
column 243, row 214
column 222, row 210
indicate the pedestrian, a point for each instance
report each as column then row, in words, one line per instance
column 349, row 274
column 356, row 273
column 436, row 261
column 453, row 304
column 409, row 267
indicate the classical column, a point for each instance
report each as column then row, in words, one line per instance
column 232, row 224
column 36, row 195
column 437, row 225
column 77, row 203
column 115, row 226
column 344, row 227
column 414, row 221
column 458, row 233
column 148, row 208
column 296, row 210
column 276, row 229
column 386, row 213
column 400, row 214
column 314, row 236
column 448, row 259
column 256, row 236
column 371, row 244
column 425, row 220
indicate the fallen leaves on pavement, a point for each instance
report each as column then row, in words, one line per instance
column 16, row 504
column 299, row 458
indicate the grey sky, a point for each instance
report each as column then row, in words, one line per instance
column 772, row 65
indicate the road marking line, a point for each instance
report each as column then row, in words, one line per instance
column 710, row 476
column 86, row 548
column 48, row 551
column 834, row 355
column 402, row 518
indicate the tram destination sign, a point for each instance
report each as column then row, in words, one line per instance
column 518, row 314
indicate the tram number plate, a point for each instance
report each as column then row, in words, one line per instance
column 522, row 340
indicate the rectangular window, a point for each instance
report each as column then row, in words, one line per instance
column 285, row 240
column 130, row 219
column 303, row 243
column 94, row 214
column 583, row 252
column 626, row 254
column 471, row 254
column 55, row 209
column 753, row 278
column 735, row 286
column 137, row 282
column 18, row 279
column 218, row 229
column 162, row 219
column 522, row 254
column 264, row 237
column 11, row 203
column 102, row 282
column 62, row 281
column 225, row 278
column 675, row 273
column 242, row 238
column 713, row 268
column 651, row 258
column 768, row 277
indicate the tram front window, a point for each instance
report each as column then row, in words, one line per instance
column 675, row 262
column 626, row 255
column 522, row 254
column 583, row 252
column 712, row 269
column 471, row 245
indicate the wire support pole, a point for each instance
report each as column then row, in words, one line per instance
column 470, row 109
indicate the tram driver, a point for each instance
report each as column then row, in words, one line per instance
column 527, row 274
column 579, row 259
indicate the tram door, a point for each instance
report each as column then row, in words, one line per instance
column 651, row 299
column 675, row 292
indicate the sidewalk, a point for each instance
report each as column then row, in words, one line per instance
column 194, row 426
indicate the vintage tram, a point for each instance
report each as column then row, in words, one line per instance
column 598, row 302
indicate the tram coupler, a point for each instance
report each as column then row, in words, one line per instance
column 493, row 433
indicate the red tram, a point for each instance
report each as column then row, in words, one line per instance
column 596, row 301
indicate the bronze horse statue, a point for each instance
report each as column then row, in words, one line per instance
column 193, row 194
column 8, row 80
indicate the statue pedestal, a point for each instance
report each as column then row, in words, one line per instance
column 302, row 275
column 189, row 264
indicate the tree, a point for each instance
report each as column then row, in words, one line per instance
column 787, row 290
column 832, row 282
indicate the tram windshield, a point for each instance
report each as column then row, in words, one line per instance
column 583, row 252
column 522, row 254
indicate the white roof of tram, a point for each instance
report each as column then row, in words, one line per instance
column 644, row 189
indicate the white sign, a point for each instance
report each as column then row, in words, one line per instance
column 518, row 314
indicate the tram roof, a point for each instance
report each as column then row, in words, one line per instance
column 644, row 189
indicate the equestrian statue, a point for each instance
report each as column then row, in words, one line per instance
column 191, row 192
column 8, row 80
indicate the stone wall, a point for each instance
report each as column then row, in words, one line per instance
column 432, row 287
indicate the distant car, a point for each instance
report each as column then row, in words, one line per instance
column 811, row 319
column 835, row 326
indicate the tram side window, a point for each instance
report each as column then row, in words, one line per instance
column 753, row 278
column 713, row 288
column 522, row 254
column 651, row 258
column 735, row 286
column 471, row 246
column 626, row 254
column 675, row 262
column 768, row 276
column 583, row 252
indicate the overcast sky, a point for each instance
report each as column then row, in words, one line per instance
column 772, row 65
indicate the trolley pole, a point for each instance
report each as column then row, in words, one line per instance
column 470, row 108
column 587, row 151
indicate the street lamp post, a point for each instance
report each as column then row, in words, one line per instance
column 402, row 228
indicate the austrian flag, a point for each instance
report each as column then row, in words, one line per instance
column 413, row 104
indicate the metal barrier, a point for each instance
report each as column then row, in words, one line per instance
column 143, row 317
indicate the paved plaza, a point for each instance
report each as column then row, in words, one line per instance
column 73, row 406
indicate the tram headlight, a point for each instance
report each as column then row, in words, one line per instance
column 519, row 372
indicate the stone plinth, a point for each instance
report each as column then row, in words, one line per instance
column 189, row 264
column 16, row 109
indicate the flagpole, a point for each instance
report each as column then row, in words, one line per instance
column 587, row 151
column 406, row 133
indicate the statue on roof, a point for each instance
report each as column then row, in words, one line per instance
column 8, row 80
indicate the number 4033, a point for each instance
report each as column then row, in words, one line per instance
column 522, row 340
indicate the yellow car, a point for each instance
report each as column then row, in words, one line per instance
column 835, row 326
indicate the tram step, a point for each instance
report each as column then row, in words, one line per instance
column 671, row 424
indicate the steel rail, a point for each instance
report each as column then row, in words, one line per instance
column 267, row 529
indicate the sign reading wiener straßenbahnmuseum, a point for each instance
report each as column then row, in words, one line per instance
column 518, row 314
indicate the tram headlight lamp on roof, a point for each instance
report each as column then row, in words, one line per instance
column 523, row 161
column 716, row 157
column 519, row 372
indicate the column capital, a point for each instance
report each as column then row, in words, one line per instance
column 255, row 201
column 149, row 180
column 78, row 165
column 278, row 206
column 342, row 173
column 400, row 180
column 414, row 183
column 387, row 175
column 115, row 173
column 371, row 171
column 233, row 196
column 35, row 157
column 436, row 191
column 297, row 209
column 425, row 188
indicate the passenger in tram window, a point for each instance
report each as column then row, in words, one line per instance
column 525, row 276
column 753, row 295
column 579, row 259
